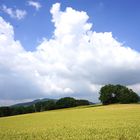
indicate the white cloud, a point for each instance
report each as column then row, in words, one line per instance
column 34, row 4
column 75, row 62
column 14, row 13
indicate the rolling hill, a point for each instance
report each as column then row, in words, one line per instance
column 112, row 122
column 33, row 102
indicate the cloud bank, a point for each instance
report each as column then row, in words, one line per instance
column 76, row 61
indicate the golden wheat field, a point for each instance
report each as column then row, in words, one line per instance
column 112, row 122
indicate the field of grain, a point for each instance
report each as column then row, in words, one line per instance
column 113, row 122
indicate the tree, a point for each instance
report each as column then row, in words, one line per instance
column 128, row 96
column 29, row 109
column 117, row 94
column 5, row 111
column 38, row 107
column 49, row 105
column 66, row 102
column 18, row 110
column 107, row 94
column 82, row 102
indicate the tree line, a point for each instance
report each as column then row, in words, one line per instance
column 65, row 102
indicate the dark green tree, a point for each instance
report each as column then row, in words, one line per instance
column 128, row 96
column 29, row 109
column 18, row 110
column 66, row 102
column 5, row 111
column 117, row 94
column 82, row 102
column 49, row 105
column 107, row 94
column 38, row 107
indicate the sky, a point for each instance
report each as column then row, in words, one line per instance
column 53, row 49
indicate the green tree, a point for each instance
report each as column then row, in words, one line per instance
column 49, row 105
column 128, row 96
column 66, row 102
column 29, row 109
column 38, row 107
column 82, row 102
column 18, row 110
column 107, row 94
column 117, row 94
column 5, row 111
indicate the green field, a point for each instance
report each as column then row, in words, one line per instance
column 113, row 122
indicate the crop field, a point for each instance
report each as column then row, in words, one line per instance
column 112, row 122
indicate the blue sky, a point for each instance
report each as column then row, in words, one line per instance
column 120, row 17
column 62, row 48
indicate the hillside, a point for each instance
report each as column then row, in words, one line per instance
column 33, row 102
column 112, row 122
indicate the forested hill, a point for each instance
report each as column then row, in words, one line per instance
column 33, row 102
column 41, row 105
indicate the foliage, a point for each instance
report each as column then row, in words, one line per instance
column 42, row 106
column 50, row 105
column 5, row 111
column 46, row 105
column 82, row 102
column 66, row 102
column 117, row 94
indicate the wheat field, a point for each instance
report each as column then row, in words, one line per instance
column 112, row 122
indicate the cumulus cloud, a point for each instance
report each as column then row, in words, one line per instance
column 35, row 4
column 76, row 61
column 14, row 13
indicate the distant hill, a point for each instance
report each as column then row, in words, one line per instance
column 40, row 105
column 33, row 102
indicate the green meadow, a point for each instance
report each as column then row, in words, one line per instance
column 111, row 122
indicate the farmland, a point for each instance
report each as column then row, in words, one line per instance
column 112, row 122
